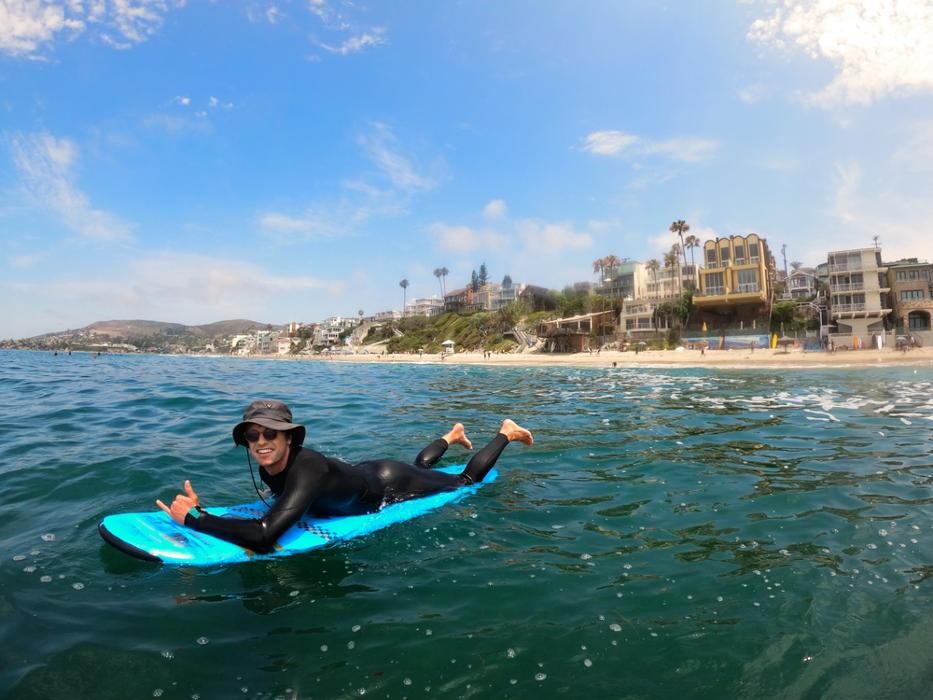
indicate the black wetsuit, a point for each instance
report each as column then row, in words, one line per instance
column 324, row 486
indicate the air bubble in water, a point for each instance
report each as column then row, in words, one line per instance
column 77, row 586
column 45, row 579
column 615, row 627
column 48, row 537
column 202, row 640
column 540, row 676
column 19, row 557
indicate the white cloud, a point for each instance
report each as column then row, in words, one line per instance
column 310, row 225
column 495, row 209
column 182, row 100
column 751, row 94
column 383, row 149
column 464, row 239
column 608, row 143
column 45, row 164
column 547, row 238
column 877, row 48
column 28, row 27
column 622, row 144
column 355, row 44
column 886, row 201
column 172, row 286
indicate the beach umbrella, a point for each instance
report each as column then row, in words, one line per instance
column 786, row 342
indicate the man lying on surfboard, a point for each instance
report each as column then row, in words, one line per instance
column 305, row 481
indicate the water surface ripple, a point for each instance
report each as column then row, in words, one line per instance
column 703, row 533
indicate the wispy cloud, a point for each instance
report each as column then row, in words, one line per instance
column 355, row 44
column 29, row 27
column 45, row 165
column 621, row 144
column 877, row 48
column 383, row 193
column 384, row 151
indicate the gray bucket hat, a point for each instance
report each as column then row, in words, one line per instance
column 270, row 414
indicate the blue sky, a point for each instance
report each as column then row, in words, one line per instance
column 199, row 161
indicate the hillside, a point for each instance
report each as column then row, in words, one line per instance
column 144, row 329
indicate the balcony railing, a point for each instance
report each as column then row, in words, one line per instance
column 713, row 291
column 853, row 287
column 748, row 288
column 842, row 308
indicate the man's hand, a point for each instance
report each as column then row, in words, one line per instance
column 181, row 505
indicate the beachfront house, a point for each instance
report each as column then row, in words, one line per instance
column 911, row 283
column 858, row 297
column 583, row 333
column 737, row 279
column 646, row 295
column 431, row 306
column 800, row 284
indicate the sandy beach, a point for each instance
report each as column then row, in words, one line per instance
column 733, row 359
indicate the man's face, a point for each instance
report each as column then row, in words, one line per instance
column 269, row 447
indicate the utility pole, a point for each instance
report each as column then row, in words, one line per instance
column 784, row 253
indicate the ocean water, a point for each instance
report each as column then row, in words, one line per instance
column 691, row 533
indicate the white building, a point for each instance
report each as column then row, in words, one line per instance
column 424, row 307
column 858, row 289
column 284, row 346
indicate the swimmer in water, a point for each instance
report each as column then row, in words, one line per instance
column 305, row 481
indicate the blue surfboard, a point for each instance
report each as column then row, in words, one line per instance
column 154, row 536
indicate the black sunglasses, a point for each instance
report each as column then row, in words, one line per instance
column 253, row 435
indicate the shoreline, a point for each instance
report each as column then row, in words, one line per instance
column 661, row 359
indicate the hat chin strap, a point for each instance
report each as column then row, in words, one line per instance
column 252, row 476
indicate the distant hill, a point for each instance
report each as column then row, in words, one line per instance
column 142, row 329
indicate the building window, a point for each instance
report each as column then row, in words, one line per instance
column 740, row 253
column 724, row 254
column 714, row 283
column 748, row 281
column 900, row 275
column 753, row 251
column 918, row 321
column 912, row 294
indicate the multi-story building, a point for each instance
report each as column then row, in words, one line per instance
column 800, row 284
column 858, row 293
column 737, row 277
column 508, row 292
column 627, row 279
column 424, row 307
column 911, row 283
column 644, row 291
column 265, row 341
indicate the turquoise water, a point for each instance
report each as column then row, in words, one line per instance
column 694, row 533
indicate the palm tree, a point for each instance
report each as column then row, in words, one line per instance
column 652, row 266
column 612, row 262
column 680, row 227
column 796, row 265
column 598, row 266
column 404, row 285
column 437, row 273
column 692, row 242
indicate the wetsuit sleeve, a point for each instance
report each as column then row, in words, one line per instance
column 260, row 535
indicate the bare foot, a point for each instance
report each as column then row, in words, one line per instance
column 457, row 436
column 513, row 431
